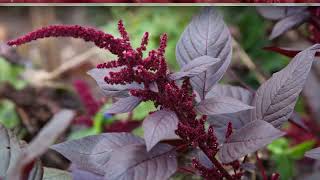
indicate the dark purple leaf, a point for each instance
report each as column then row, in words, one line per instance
column 195, row 67
column 311, row 91
column 153, row 87
column 248, row 139
column 312, row 176
column 10, row 154
column 298, row 121
column 111, row 90
column 275, row 99
column 204, row 160
column 288, row 23
column 79, row 174
column 93, row 152
column 159, row 126
column 238, row 119
column 124, row 105
column 49, row 134
column 135, row 163
column 248, row 167
column 206, row 35
column 231, row 91
column 40, row 144
column 313, row 153
column 221, row 105
column 276, row 13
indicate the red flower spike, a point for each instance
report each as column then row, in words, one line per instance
column 144, row 43
column 152, row 69
column 123, row 31
column 275, row 176
column 83, row 90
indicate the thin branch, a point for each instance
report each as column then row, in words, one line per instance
column 248, row 62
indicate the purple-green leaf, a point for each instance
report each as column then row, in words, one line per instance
column 288, row 23
column 111, row 90
column 92, row 153
column 135, row 163
column 159, row 126
column 313, row 153
column 206, row 35
column 221, row 105
column 124, row 105
column 248, row 139
column 279, row 12
column 275, row 99
column 195, row 67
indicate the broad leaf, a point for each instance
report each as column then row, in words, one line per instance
column 124, row 105
column 288, row 23
column 221, row 105
column 314, row 153
column 311, row 91
column 276, row 13
column 275, row 99
column 195, row 67
column 79, row 174
column 206, row 35
column 111, row 90
column 158, row 126
column 40, row 144
column 56, row 174
column 238, row 119
column 93, row 152
column 248, row 139
column 48, row 135
column 236, row 92
column 135, row 163
column 10, row 150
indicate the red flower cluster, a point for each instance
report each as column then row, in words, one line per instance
column 91, row 105
column 314, row 26
column 152, row 72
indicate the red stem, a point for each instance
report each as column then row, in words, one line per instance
column 217, row 164
column 263, row 173
column 186, row 170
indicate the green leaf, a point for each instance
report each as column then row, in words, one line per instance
column 278, row 146
column 297, row 152
column 144, row 108
column 56, row 174
column 8, row 115
column 82, row 133
column 10, row 73
column 138, row 132
column 284, row 166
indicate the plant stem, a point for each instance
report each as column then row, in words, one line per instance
column 217, row 164
column 263, row 173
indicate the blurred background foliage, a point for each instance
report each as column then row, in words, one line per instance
column 247, row 26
